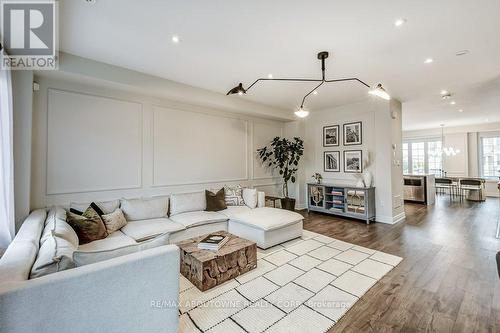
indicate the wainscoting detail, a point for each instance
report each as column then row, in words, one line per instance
column 93, row 144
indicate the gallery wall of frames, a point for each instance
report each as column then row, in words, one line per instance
column 349, row 137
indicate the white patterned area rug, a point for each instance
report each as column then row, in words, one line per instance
column 304, row 285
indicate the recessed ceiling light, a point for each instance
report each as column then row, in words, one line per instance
column 315, row 92
column 399, row 22
column 428, row 61
column 175, row 39
column 444, row 92
column 461, row 53
column 269, row 76
column 487, row 120
column 461, row 110
column 453, row 102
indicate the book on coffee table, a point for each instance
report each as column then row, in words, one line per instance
column 213, row 242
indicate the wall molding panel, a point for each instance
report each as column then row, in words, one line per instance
column 101, row 144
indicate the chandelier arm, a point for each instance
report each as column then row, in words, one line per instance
column 294, row 80
column 309, row 93
column 349, row 79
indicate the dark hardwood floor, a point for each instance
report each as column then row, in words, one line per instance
column 447, row 281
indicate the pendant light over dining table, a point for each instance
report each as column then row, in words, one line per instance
column 377, row 90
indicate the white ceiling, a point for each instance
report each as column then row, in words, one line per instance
column 226, row 42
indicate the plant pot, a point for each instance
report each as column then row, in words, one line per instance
column 288, row 204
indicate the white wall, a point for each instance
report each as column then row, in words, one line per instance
column 98, row 142
column 380, row 132
column 465, row 138
column 22, row 88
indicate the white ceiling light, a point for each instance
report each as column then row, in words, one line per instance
column 269, row 76
column 380, row 92
column 461, row 110
column 461, row 53
column 301, row 113
column 453, row 102
column 428, row 61
column 445, row 92
column 322, row 56
column 175, row 39
column 399, row 22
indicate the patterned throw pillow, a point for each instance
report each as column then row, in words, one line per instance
column 234, row 195
column 88, row 226
column 114, row 221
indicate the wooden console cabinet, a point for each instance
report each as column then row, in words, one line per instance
column 349, row 201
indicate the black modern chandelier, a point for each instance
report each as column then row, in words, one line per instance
column 378, row 90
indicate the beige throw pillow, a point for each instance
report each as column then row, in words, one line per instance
column 114, row 221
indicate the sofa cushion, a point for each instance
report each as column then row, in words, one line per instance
column 191, row 219
column 114, row 221
column 106, row 206
column 115, row 240
column 143, row 209
column 119, row 246
column 232, row 211
column 250, row 197
column 56, row 223
column 55, row 254
column 16, row 262
column 266, row 218
column 187, row 202
column 146, row 229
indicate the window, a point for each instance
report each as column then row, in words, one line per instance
column 422, row 156
column 405, row 158
column 489, row 158
column 435, row 157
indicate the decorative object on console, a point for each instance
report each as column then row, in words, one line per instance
column 377, row 90
column 353, row 160
column 317, row 177
column 331, row 161
column 233, row 195
column 215, row 201
column 331, row 136
column 353, row 133
column 114, row 221
column 283, row 155
column 88, row 226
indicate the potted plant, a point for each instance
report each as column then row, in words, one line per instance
column 283, row 155
column 317, row 177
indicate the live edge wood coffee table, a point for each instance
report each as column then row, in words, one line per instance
column 207, row 269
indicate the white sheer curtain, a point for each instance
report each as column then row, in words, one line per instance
column 7, row 228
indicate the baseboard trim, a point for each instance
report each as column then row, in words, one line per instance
column 390, row 219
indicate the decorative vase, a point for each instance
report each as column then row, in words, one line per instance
column 360, row 182
column 367, row 178
column 318, row 181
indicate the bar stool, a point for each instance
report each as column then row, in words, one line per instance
column 443, row 184
column 469, row 184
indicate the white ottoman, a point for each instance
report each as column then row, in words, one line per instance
column 266, row 226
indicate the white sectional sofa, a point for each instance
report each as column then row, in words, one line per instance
column 129, row 281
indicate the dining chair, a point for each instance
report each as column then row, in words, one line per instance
column 468, row 184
